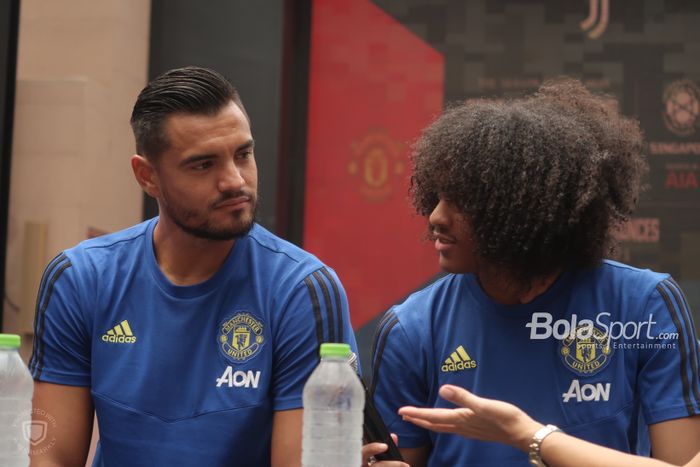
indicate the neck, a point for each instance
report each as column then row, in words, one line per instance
column 507, row 291
column 184, row 258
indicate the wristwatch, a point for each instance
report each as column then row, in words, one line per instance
column 534, row 455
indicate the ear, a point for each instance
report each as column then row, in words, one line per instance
column 145, row 175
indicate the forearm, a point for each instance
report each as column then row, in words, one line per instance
column 561, row 450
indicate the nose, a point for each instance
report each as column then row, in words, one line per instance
column 439, row 217
column 231, row 178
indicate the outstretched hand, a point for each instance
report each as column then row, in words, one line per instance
column 476, row 417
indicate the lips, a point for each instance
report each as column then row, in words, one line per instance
column 232, row 203
column 443, row 242
column 442, row 238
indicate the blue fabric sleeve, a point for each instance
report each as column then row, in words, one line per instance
column 668, row 382
column 61, row 351
column 316, row 312
column 397, row 380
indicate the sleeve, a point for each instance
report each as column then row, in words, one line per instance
column 61, row 349
column 397, row 380
column 668, row 381
column 316, row 312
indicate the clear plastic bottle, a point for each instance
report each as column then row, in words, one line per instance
column 334, row 401
column 16, row 388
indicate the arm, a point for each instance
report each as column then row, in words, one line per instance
column 491, row 420
column 68, row 439
column 314, row 311
column 675, row 441
column 398, row 380
column 416, row 457
column 60, row 365
column 668, row 382
column 286, row 438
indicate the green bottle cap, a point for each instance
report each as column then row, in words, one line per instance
column 10, row 340
column 329, row 349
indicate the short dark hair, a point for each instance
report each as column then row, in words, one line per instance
column 191, row 89
column 543, row 180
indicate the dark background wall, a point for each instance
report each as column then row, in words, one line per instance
column 9, row 21
column 246, row 42
column 644, row 52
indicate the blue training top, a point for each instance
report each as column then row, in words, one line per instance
column 633, row 360
column 186, row 375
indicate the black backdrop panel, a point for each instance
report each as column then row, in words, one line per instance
column 9, row 21
column 242, row 40
column 645, row 52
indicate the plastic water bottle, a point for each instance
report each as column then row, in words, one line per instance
column 334, row 400
column 16, row 388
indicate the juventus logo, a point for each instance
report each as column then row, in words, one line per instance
column 602, row 16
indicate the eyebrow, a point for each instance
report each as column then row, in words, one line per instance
column 250, row 144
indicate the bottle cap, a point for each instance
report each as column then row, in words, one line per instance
column 10, row 340
column 329, row 349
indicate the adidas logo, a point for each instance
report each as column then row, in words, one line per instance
column 120, row 334
column 457, row 361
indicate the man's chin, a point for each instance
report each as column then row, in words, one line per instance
column 233, row 232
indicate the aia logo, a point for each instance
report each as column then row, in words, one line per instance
column 681, row 179
column 597, row 21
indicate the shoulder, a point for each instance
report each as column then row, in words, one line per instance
column 279, row 256
column 430, row 297
column 428, row 304
column 108, row 244
column 620, row 278
column 625, row 272
column 107, row 251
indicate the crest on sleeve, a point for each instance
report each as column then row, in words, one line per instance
column 241, row 337
column 586, row 351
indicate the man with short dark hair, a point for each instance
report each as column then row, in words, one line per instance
column 192, row 334
column 523, row 197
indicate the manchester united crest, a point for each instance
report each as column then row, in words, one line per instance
column 586, row 351
column 377, row 162
column 682, row 107
column 241, row 337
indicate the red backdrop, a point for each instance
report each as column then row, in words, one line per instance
column 373, row 86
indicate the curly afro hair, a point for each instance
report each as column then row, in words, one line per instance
column 544, row 180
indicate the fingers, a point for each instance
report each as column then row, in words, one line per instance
column 433, row 426
column 440, row 416
column 458, row 396
column 372, row 449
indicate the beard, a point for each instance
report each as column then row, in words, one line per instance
column 198, row 222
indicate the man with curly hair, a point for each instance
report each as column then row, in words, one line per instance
column 523, row 198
